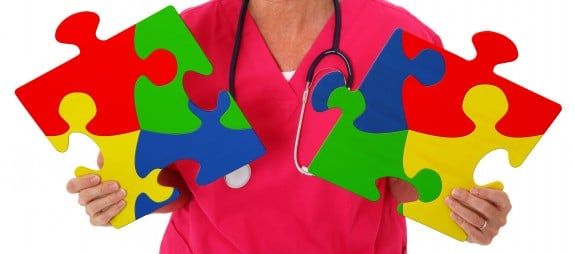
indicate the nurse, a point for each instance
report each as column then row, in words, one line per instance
column 269, row 206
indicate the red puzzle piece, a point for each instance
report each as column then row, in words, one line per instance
column 202, row 90
column 99, row 71
column 436, row 109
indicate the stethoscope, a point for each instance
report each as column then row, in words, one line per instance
column 334, row 50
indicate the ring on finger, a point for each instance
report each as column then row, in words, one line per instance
column 484, row 226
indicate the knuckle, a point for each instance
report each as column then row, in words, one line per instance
column 482, row 208
column 508, row 208
column 505, row 196
column 486, row 209
column 495, row 233
column 502, row 221
column 486, row 241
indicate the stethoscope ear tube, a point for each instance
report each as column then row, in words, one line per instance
column 236, row 50
column 334, row 50
column 315, row 63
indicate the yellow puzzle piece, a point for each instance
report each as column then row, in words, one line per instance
column 119, row 153
column 455, row 159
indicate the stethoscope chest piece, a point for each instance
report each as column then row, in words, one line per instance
column 239, row 178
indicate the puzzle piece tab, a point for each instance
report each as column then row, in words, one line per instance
column 164, row 108
column 382, row 86
column 105, row 70
column 143, row 195
column 364, row 157
column 436, row 109
column 455, row 159
column 218, row 149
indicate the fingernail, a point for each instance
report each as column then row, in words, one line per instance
column 448, row 201
column 457, row 192
column 474, row 191
column 123, row 193
column 94, row 179
column 113, row 186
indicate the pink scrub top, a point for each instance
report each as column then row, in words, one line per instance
column 280, row 210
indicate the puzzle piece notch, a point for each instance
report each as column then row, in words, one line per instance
column 455, row 159
column 382, row 86
column 368, row 156
column 164, row 108
column 119, row 156
column 218, row 150
column 529, row 114
column 106, row 70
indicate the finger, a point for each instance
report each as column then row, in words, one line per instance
column 103, row 218
column 474, row 235
column 100, row 160
column 468, row 215
column 78, row 184
column 87, row 195
column 498, row 197
column 101, row 204
column 482, row 206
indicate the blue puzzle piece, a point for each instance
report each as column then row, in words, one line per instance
column 382, row 87
column 323, row 89
column 145, row 205
column 217, row 149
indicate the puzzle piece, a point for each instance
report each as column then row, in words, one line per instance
column 205, row 96
column 382, row 86
column 105, row 70
column 219, row 150
column 164, row 109
column 143, row 195
column 436, row 109
column 365, row 157
column 455, row 159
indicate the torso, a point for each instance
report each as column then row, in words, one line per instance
column 280, row 210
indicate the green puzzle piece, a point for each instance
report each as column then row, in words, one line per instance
column 233, row 118
column 164, row 109
column 355, row 160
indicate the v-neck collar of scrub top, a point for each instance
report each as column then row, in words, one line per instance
column 273, row 104
column 254, row 53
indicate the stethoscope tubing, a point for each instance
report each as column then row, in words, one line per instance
column 334, row 50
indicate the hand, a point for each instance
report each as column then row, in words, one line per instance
column 102, row 200
column 481, row 212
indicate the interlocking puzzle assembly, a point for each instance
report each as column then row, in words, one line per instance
column 126, row 93
column 422, row 114
column 427, row 116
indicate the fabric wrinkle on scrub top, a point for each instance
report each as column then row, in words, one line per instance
column 280, row 210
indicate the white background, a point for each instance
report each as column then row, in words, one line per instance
column 38, row 216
